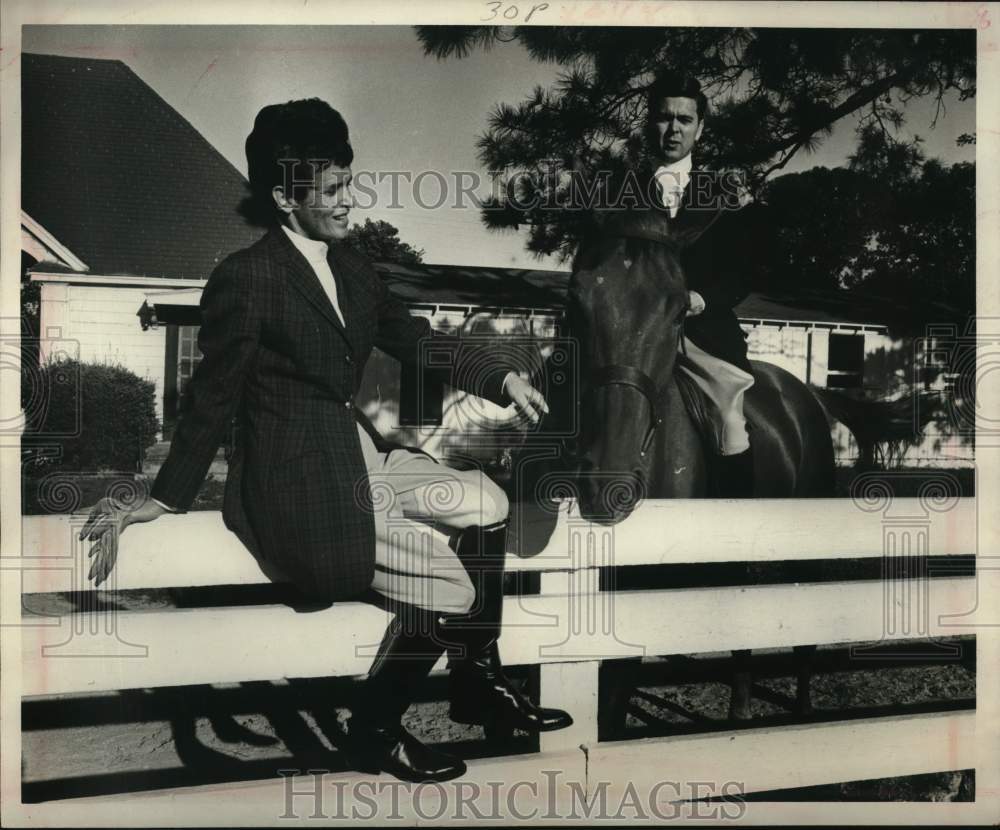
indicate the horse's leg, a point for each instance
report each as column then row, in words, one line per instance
column 678, row 470
column 803, row 666
column 780, row 405
column 619, row 678
column 740, row 699
column 685, row 475
column 741, row 682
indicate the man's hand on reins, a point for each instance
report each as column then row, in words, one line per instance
column 696, row 304
column 526, row 398
column 106, row 522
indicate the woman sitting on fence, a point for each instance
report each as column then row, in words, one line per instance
column 313, row 490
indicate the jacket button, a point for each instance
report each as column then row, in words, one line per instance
column 348, row 404
column 348, row 359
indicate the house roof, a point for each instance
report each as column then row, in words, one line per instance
column 120, row 177
column 468, row 285
column 459, row 285
column 128, row 185
column 812, row 307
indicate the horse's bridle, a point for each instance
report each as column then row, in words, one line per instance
column 620, row 375
column 617, row 375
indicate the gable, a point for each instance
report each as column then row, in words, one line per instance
column 121, row 178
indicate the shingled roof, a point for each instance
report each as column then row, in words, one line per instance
column 121, row 178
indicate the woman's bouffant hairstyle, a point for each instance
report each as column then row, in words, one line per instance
column 294, row 139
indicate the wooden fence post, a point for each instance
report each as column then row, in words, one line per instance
column 573, row 687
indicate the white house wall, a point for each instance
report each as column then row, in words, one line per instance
column 99, row 324
column 784, row 346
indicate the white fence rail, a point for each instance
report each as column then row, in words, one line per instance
column 568, row 628
column 196, row 549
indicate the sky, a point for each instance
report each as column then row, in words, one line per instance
column 406, row 111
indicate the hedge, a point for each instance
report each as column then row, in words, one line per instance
column 95, row 415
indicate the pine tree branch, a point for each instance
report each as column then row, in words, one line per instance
column 846, row 107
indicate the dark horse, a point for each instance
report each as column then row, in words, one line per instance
column 637, row 437
column 626, row 308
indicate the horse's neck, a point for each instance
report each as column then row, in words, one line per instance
column 677, row 466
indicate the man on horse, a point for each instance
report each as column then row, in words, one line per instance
column 716, row 264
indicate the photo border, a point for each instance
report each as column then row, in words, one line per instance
column 983, row 17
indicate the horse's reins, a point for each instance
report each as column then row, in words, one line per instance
column 617, row 375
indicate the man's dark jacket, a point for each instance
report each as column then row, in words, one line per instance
column 719, row 243
column 276, row 356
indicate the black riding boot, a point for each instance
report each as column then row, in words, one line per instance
column 480, row 691
column 734, row 476
column 406, row 656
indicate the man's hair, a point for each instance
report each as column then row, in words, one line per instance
column 304, row 130
column 673, row 84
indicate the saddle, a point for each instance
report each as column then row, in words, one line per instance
column 697, row 405
column 699, row 408
column 672, row 238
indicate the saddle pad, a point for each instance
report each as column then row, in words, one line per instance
column 697, row 404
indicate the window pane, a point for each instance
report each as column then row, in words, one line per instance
column 847, row 353
column 188, row 355
column 415, row 388
column 843, row 380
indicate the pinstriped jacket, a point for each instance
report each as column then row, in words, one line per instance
column 276, row 356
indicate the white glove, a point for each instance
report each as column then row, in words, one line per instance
column 697, row 304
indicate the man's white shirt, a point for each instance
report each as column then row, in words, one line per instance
column 673, row 178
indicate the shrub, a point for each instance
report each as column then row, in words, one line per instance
column 97, row 416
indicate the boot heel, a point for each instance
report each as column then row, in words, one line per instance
column 377, row 741
column 482, row 694
column 397, row 752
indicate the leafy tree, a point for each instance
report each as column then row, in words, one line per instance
column 821, row 219
column 923, row 246
column 775, row 92
column 908, row 235
column 380, row 242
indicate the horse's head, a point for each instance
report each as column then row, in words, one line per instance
column 627, row 301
